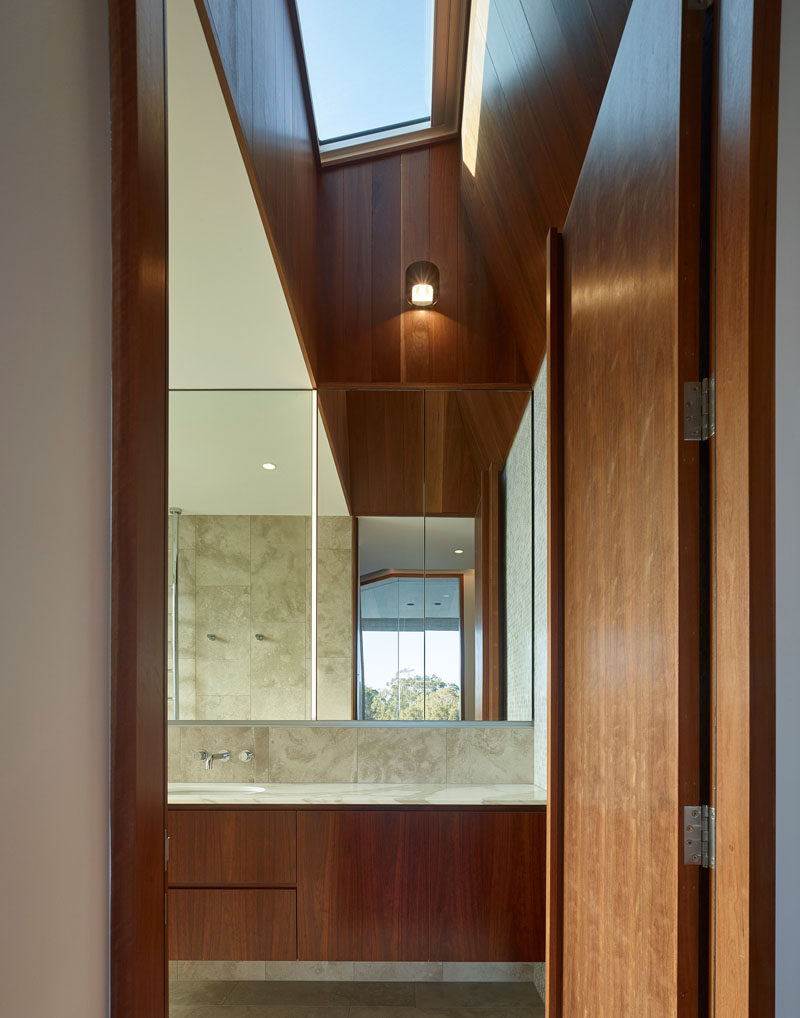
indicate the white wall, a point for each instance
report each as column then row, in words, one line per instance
column 55, row 304
column 788, row 518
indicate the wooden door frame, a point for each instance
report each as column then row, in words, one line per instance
column 137, row 779
column 749, row 43
column 748, row 50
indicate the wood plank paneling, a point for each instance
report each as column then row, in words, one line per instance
column 378, row 217
column 226, row 847
column 252, row 46
column 746, row 155
column 631, row 535
column 487, row 886
column 545, row 68
column 137, row 792
column 363, row 886
column 233, row 924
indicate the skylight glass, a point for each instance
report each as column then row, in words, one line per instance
column 370, row 66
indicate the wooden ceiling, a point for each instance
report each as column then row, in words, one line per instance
column 414, row 453
column 341, row 237
column 545, row 70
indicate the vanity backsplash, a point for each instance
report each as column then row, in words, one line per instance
column 447, row 755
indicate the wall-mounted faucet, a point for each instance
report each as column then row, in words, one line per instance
column 209, row 758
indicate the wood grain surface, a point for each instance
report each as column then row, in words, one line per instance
column 631, row 535
column 232, row 924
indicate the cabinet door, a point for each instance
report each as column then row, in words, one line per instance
column 232, row 924
column 487, row 884
column 363, row 886
column 210, row 846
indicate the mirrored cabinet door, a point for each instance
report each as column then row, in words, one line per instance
column 241, row 483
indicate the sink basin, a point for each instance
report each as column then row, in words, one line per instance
column 212, row 788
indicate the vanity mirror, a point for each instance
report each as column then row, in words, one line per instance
column 350, row 555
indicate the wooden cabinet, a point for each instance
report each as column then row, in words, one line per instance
column 232, row 924
column 355, row 884
column 231, row 846
column 487, row 886
column 363, row 891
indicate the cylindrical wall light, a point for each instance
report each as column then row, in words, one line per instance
column 422, row 284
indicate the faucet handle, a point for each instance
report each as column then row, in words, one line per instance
column 246, row 755
column 201, row 755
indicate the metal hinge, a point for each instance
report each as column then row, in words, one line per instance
column 699, row 410
column 166, row 850
column 699, row 5
column 700, row 836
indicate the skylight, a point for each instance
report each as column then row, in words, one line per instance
column 382, row 73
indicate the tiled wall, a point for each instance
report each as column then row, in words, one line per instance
column 328, row 754
column 246, row 581
column 540, row 576
column 361, row 971
column 519, row 582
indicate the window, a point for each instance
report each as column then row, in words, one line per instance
column 411, row 648
column 382, row 73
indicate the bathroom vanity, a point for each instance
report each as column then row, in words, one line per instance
column 341, row 881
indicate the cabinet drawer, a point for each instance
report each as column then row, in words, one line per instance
column 232, row 924
column 232, row 847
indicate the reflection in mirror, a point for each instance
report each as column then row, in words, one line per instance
column 336, row 579
column 240, row 472
column 440, row 485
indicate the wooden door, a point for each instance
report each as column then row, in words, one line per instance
column 631, row 655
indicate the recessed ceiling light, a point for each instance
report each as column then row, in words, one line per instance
column 458, row 551
column 268, row 466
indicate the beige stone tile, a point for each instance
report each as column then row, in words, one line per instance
column 222, row 551
column 397, row 755
column 217, row 739
column 398, row 971
column 335, row 532
column 258, row 1011
column 187, row 699
column 488, row 972
column 523, row 1011
column 223, row 708
column 199, row 991
column 328, row 971
column 172, row 969
column 278, row 671
column 230, row 970
column 174, row 759
column 474, row 994
column 223, row 664
column 340, row 992
column 261, row 750
column 477, row 756
column 335, row 689
column 278, row 568
column 312, row 754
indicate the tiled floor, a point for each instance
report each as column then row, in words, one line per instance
column 219, row 999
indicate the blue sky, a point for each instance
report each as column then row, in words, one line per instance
column 369, row 62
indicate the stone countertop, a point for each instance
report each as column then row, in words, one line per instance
column 362, row 794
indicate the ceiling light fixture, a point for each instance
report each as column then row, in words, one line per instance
column 268, row 466
column 422, row 284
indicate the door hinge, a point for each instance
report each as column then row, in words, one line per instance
column 166, row 851
column 699, row 410
column 700, row 836
column 699, row 5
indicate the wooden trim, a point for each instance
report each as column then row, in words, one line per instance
column 746, row 189
column 138, row 986
column 555, row 624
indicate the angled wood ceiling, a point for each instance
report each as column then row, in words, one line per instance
column 342, row 237
column 545, row 69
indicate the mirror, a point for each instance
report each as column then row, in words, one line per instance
column 350, row 555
